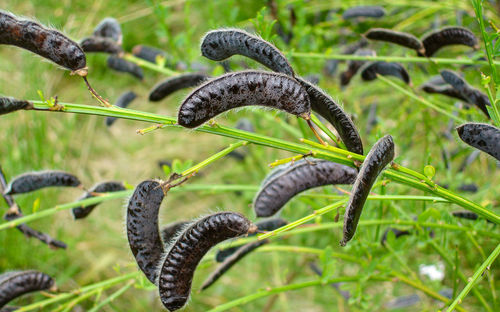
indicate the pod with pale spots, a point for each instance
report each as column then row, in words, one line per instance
column 17, row 283
column 123, row 101
column 448, row 36
column 109, row 28
column 484, row 137
column 125, row 66
column 220, row 44
column 9, row 105
column 379, row 156
column 397, row 70
column 171, row 85
column 100, row 44
column 396, row 37
column 371, row 11
column 32, row 181
column 292, row 179
column 324, row 105
column 177, row 271
column 235, row 90
column 142, row 227
column 103, row 187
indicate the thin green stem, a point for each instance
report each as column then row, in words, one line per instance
column 112, row 297
column 323, row 128
column 152, row 66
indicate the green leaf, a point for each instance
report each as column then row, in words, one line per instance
column 166, row 170
column 428, row 213
column 429, row 171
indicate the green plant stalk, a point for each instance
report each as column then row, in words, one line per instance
column 70, row 305
column 475, row 278
column 112, row 297
column 402, row 263
column 323, row 128
column 142, row 63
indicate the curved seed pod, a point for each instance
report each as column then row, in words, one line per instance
column 331, row 65
column 399, row 38
column 465, row 214
column 220, row 44
column 484, row 137
column 48, row 43
column 363, row 11
column 385, row 69
column 169, row 232
column 471, row 188
column 176, row 273
column 142, row 227
column 264, row 225
column 103, row 187
column 31, row 181
column 444, row 90
column 18, row 283
column 240, row 89
column 354, row 66
column 148, row 53
column 397, row 234
column 296, row 178
column 125, row 66
column 379, row 156
column 324, row 105
column 109, row 28
column 100, row 44
column 9, row 105
column 123, row 101
column 471, row 94
column 169, row 86
column 448, row 36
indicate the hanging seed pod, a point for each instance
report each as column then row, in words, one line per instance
column 9, row 105
column 125, row 66
column 103, row 187
column 171, row 85
column 142, row 227
column 148, row 53
column 170, row 231
column 353, row 66
column 17, row 283
column 220, row 44
column 397, row 234
column 438, row 85
column 448, row 36
column 32, row 181
column 123, row 101
column 176, row 272
column 235, row 90
column 363, row 11
column 385, row 69
column 298, row 177
column 109, row 28
column 399, row 38
column 331, row 65
column 324, row 105
column 379, row 156
column 484, row 137
column 100, row 44
column 48, row 43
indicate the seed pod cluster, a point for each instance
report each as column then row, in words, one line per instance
column 448, row 36
column 397, row 70
column 291, row 179
column 379, row 156
column 32, row 181
column 125, row 66
column 484, row 137
column 123, row 101
column 399, row 38
column 363, row 11
column 171, row 85
column 17, row 283
column 103, row 187
column 9, row 105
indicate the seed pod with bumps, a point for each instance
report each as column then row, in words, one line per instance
column 484, row 137
column 448, row 36
column 100, row 44
column 17, row 283
column 103, row 187
column 171, row 85
column 109, row 28
column 32, row 181
column 397, row 37
column 9, row 105
column 385, row 69
column 363, row 11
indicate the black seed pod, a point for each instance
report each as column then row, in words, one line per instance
column 324, row 105
column 32, row 181
column 379, row 156
column 109, row 28
column 353, row 66
column 397, row 234
column 17, row 283
column 220, row 44
column 176, row 273
column 240, row 89
column 363, row 11
column 298, row 177
column 385, row 69
column 142, row 227
column 148, row 53
column 170, row 85
column 399, row 38
column 484, row 137
column 103, row 187
column 169, row 232
column 125, row 66
column 448, row 36
column 465, row 214
column 9, row 105
column 100, row 44
column 447, row 90
column 123, row 101
column 48, row 43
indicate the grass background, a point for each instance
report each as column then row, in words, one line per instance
column 97, row 246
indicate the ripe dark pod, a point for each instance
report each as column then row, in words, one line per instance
column 148, row 53
column 125, row 66
column 397, row 37
column 324, row 105
column 109, row 28
column 100, row 44
column 363, row 11
column 177, row 270
column 484, row 137
column 220, row 44
column 17, row 283
column 430, row 87
column 142, row 227
column 48, row 43
column 235, row 90
column 448, row 36
column 397, row 233
column 33, row 181
column 354, row 66
column 291, row 179
column 170, row 85
column 379, row 156
column 9, row 105
column 103, row 187
column 123, row 101
column 385, row 69
column 170, row 231
column 465, row 214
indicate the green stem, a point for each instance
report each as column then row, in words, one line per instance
column 112, row 297
column 323, row 128
column 152, row 66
